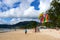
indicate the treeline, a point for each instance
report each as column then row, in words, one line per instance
column 25, row 24
column 54, row 14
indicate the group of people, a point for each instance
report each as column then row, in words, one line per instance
column 37, row 29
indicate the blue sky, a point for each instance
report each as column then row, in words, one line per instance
column 14, row 11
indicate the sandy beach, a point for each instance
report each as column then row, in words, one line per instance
column 44, row 34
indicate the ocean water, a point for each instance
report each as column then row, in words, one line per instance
column 3, row 30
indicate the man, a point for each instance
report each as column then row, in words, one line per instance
column 25, row 31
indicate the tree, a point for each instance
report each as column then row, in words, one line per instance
column 54, row 12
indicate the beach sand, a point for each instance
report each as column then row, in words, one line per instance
column 44, row 34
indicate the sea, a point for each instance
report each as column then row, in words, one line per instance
column 3, row 30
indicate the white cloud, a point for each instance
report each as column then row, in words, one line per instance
column 25, row 7
column 16, row 20
column 1, row 21
column 16, row 12
column 31, row 12
column 44, row 5
column 24, row 10
column 10, row 2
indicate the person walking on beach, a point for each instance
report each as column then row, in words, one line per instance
column 35, row 29
column 38, row 29
column 25, row 31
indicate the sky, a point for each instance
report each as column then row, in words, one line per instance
column 14, row 11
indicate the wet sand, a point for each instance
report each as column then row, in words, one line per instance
column 44, row 34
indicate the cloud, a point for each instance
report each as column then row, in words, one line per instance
column 10, row 2
column 2, row 21
column 44, row 5
column 23, row 10
column 6, row 5
column 19, row 11
column 16, row 20
column 3, row 7
column 31, row 12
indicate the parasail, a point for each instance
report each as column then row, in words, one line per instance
column 43, row 18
